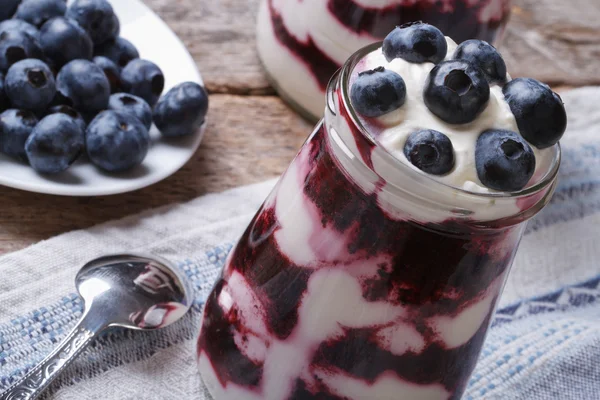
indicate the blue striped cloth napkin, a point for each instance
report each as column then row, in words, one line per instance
column 544, row 342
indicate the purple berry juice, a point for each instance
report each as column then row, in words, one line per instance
column 363, row 275
column 303, row 42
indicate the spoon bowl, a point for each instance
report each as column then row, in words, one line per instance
column 149, row 292
column 130, row 291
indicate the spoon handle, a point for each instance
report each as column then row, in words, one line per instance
column 36, row 380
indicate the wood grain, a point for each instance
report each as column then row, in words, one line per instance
column 249, row 139
column 252, row 135
column 555, row 41
column 220, row 34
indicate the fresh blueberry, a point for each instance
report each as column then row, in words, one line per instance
column 18, row 25
column 37, row 12
column 15, row 128
column 97, row 17
column 71, row 112
column 130, row 104
column 415, row 42
column 4, row 102
column 144, row 79
column 181, row 110
column 456, row 91
column 63, row 40
column 540, row 113
column 485, row 56
column 377, row 92
column 121, row 51
column 84, row 86
column 430, row 151
column 112, row 72
column 54, row 144
column 16, row 46
column 8, row 8
column 504, row 161
column 30, row 85
column 117, row 141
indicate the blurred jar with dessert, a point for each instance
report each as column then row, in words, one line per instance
column 302, row 43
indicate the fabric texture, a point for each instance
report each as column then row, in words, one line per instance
column 544, row 342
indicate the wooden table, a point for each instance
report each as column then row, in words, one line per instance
column 252, row 135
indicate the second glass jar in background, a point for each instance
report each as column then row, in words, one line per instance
column 303, row 42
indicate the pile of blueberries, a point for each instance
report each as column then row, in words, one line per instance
column 457, row 91
column 69, row 84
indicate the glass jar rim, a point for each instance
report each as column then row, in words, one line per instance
column 345, row 74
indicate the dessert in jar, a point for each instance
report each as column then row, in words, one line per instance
column 373, row 269
column 303, row 42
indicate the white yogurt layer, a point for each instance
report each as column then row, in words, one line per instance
column 414, row 115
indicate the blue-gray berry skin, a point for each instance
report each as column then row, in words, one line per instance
column 8, row 8
column 84, row 86
column 144, row 79
column 504, row 160
column 16, row 46
column 430, row 151
column 540, row 113
column 54, row 144
column 133, row 105
column 484, row 56
column 4, row 102
column 21, row 26
column 30, row 85
column 37, row 12
column 71, row 112
column 15, row 128
column 63, row 40
column 377, row 92
column 182, row 110
column 97, row 17
column 121, row 51
column 456, row 91
column 112, row 72
column 415, row 42
column 117, row 141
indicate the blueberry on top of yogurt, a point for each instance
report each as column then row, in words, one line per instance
column 377, row 92
column 485, row 57
column 504, row 160
column 415, row 42
column 456, row 91
column 540, row 113
column 430, row 151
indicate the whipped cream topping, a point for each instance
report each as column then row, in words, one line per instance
column 394, row 128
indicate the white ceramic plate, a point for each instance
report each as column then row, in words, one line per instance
column 155, row 42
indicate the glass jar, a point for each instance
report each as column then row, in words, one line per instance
column 303, row 42
column 361, row 277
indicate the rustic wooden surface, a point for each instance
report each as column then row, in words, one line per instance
column 252, row 135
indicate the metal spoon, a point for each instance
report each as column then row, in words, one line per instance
column 129, row 291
